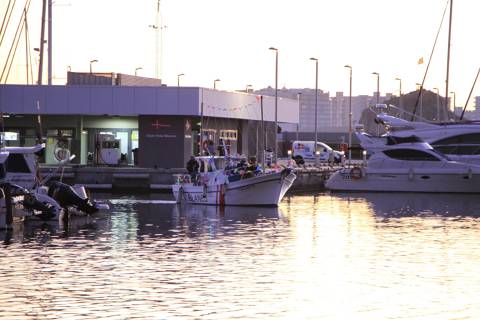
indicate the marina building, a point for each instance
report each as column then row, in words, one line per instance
column 141, row 123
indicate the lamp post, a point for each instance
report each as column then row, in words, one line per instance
column 316, row 108
column 136, row 69
column 419, row 85
column 350, row 117
column 299, row 98
column 276, row 102
column 247, row 87
column 178, row 78
column 215, row 84
column 454, row 97
column 400, row 95
column 438, row 104
column 91, row 62
column 378, row 86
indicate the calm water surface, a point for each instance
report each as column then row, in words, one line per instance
column 322, row 256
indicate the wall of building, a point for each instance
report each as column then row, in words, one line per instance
column 161, row 141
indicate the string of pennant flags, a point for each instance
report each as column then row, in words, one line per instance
column 233, row 108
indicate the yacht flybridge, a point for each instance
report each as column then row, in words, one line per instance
column 460, row 141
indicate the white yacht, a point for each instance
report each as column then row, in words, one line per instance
column 220, row 182
column 460, row 141
column 407, row 165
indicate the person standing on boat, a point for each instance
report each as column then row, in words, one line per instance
column 192, row 167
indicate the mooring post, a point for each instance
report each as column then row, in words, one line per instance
column 8, row 205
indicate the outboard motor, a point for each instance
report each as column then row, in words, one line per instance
column 66, row 196
column 48, row 211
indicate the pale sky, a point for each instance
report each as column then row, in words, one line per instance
column 229, row 40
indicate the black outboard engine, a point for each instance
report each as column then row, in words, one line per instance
column 47, row 210
column 66, row 196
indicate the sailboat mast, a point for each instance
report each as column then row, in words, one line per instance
column 448, row 58
column 42, row 40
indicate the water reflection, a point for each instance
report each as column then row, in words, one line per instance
column 416, row 204
column 330, row 256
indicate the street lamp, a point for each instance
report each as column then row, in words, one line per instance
column 400, row 95
column 420, row 87
column 350, row 118
column 247, row 86
column 215, row 83
column 316, row 107
column 136, row 69
column 276, row 102
column 378, row 86
column 454, row 96
column 91, row 62
column 438, row 103
column 178, row 78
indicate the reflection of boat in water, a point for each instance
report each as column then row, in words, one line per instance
column 219, row 184
column 417, row 204
column 59, row 228
column 228, row 213
column 407, row 165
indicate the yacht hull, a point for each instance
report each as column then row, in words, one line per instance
column 261, row 190
column 406, row 181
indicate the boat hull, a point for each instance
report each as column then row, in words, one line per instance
column 405, row 181
column 261, row 190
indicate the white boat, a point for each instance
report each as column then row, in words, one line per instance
column 33, row 192
column 408, row 165
column 460, row 141
column 219, row 184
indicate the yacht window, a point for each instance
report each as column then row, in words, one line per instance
column 410, row 155
column 470, row 138
column 459, row 150
column 17, row 163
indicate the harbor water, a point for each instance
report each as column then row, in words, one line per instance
column 316, row 256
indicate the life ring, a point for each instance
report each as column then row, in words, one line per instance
column 356, row 173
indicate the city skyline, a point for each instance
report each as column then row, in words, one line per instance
column 213, row 39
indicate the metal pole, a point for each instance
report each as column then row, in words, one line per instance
column 448, row 53
column 350, row 117
column 8, row 206
column 201, row 126
column 50, row 42
column 276, row 106
column 276, row 103
column 400, row 97
column 264, row 134
column 316, row 109
column 42, row 40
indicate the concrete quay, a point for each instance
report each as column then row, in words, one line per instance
column 137, row 179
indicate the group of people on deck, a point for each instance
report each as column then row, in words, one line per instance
column 235, row 171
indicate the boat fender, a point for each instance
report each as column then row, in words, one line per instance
column 356, row 173
column 205, row 190
column 470, row 173
column 411, row 174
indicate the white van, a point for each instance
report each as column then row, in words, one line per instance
column 304, row 150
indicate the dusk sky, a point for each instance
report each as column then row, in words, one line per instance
column 229, row 40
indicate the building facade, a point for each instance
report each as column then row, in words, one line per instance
column 152, row 126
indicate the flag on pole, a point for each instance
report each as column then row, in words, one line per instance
column 420, row 61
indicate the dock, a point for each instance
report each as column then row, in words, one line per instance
column 138, row 179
